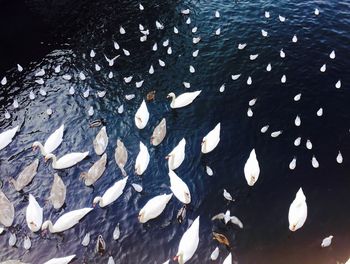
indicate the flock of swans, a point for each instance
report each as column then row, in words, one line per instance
column 178, row 189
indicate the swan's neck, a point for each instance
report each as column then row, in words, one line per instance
column 42, row 149
column 50, row 226
column 98, row 200
column 54, row 160
column 173, row 97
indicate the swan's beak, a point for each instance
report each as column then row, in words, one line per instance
column 167, row 157
column 140, row 217
column 34, row 148
column 203, row 142
column 176, row 258
column 46, row 159
column 168, row 96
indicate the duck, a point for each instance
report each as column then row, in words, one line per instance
column 58, row 192
column 111, row 194
column 252, row 169
column 183, row 99
column 63, row 260
column 7, row 136
column 154, row 207
column 101, row 141
column 188, row 243
column 67, row 161
column 66, row 221
column 34, row 214
column 327, row 241
column 297, row 211
column 100, row 245
column 228, row 218
column 179, row 188
column 159, row 133
column 177, row 155
column 142, row 116
column 7, row 210
column 142, row 160
column 26, row 176
column 95, row 172
column 52, row 142
column 211, row 140
column 121, row 156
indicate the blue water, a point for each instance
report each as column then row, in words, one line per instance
column 68, row 31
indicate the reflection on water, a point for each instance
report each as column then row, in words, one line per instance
column 81, row 26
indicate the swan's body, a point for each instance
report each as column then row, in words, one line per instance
column 67, row 161
column 34, row 214
column 112, row 193
column 63, row 260
column 188, row 243
column 228, row 259
column 7, row 211
column 159, row 133
column 297, row 211
column 251, row 169
column 95, row 172
column 177, row 155
column 26, row 176
column 121, row 156
column 142, row 160
column 142, row 116
column 183, row 99
column 66, row 221
column 154, row 207
column 211, row 140
column 179, row 188
column 58, row 192
column 7, row 136
column 52, row 142
column 101, row 141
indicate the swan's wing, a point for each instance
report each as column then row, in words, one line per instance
column 27, row 175
column 6, row 137
column 218, row 216
column 72, row 158
column 186, row 98
column 236, row 221
column 54, row 140
column 7, row 210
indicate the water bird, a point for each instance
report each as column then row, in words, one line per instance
column 297, row 141
column 42, row 92
column 235, row 77
column 218, row 32
column 86, row 93
column 142, row 160
column 339, row 157
column 276, row 133
column 293, row 163
column 317, row 11
column 249, row 112
column 185, row 11
column 320, row 112
column 101, row 94
column 188, row 21
column 281, row 18
column 63, row 260
column 66, row 161
column 31, row 95
column 12, row 239
column 41, row 80
column 159, row 133
column 3, row 81
column 7, row 136
column 110, row 260
column 177, row 155
column 40, row 73
column 161, row 63
column 95, row 172
column 187, row 84
column 159, row 25
column 116, row 45
column 97, row 67
column 7, row 210
column 151, row 69
column 217, row 14
column 308, row 144
column 141, row 7
column 188, row 243
column 196, row 40
column 141, row 116
column 7, row 115
column 222, row 239
column 267, row 14
column 183, row 99
column 326, row 242
column 252, row 169
column 264, row 129
column 194, row 29
column 15, row 104
column 228, row 196
column 49, row 111
column 26, row 176
column 110, row 75
column 241, row 46
column 268, row 67
column 228, row 218
column 338, row 84
column 228, row 259
column 222, row 88
column 143, row 38
column 215, row 254
column 57, row 69
column 252, row 102
column 139, row 83
column 297, row 211
column 211, row 140
column 314, row 162
column 19, row 68
column 176, row 31
column 126, row 52
column 137, row 187
column 155, row 47
column 122, row 30
column 120, row 109
column 129, row 96
column 86, row 240
column 27, row 244
column 101, row 141
column 181, row 214
column 58, row 192
column 92, row 53
column 111, row 194
column 297, row 121
column 169, row 50
column 294, row 39
column 282, row 54
column 121, row 156
column 332, row 55
column 264, row 33
column 52, row 142
column 111, row 61
column 82, row 76
column 154, row 207
column 253, row 57
column 297, row 97
column 323, row 68
column 34, row 214
column 91, row 111
column 249, row 80
column 66, row 221
column 179, row 188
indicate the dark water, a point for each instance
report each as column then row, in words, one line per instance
column 44, row 34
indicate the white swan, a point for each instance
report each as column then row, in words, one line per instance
column 179, row 188
column 154, row 207
column 66, row 221
column 183, row 99
column 34, row 214
column 297, row 211
column 142, row 160
column 7, row 136
column 188, row 243
column 7, row 210
column 101, row 141
column 111, row 194
column 211, row 140
column 251, row 169
column 52, row 142
column 63, row 260
column 177, row 155
column 142, row 116
column 67, row 160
